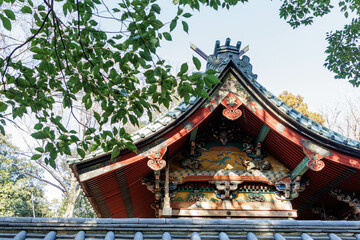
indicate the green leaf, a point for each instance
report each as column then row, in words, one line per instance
column 173, row 24
column 167, row 36
column 53, row 153
column 26, row 9
column 212, row 79
column 88, row 102
column 38, row 126
column 35, row 156
column 52, row 163
column 6, row 22
column 81, row 152
column 156, row 8
column 39, row 149
column 185, row 26
column 3, row 107
column 10, row 14
column 115, row 152
column 187, row 15
column 184, row 68
column 39, row 135
column 197, row 63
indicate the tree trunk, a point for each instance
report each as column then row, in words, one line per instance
column 73, row 196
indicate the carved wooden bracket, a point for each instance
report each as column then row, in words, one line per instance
column 226, row 189
column 288, row 189
column 231, row 102
column 155, row 161
column 315, row 162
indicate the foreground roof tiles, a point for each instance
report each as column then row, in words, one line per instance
column 167, row 229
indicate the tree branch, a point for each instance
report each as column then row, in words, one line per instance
column 45, row 181
column 20, row 46
column 55, row 176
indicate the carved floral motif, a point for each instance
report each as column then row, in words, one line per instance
column 156, row 162
column 231, row 102
column 315, row 163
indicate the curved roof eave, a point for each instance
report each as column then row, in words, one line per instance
column 292, row 118
column 297, row 121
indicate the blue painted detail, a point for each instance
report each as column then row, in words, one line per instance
column 110, row 236
column 278, row 236
column 251, row 236
column 20, row 236
column 223, row 236
column 80, row 235
column 50, row 236
column 195, row 236
column 333, row 236
column 166, row 236
column 138, row 236
column 305, row 236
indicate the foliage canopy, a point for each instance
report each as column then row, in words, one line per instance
column 297, row 103
column 20, row 194
column 117, row 73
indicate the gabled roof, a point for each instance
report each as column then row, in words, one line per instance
column 290, row 135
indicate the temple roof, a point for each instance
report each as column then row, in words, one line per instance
column 167, row 229
column 225, row 56
column 114, row 185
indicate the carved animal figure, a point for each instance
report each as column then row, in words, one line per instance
column 253, row 164
column 189, row 163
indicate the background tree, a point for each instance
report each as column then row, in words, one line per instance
column 345, row 118
column 343, row 52
column 20, row 194
column 297, row 102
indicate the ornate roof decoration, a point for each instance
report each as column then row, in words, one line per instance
column 226, row 53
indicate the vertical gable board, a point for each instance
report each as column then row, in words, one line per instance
column 109, row 187
column 141, row 198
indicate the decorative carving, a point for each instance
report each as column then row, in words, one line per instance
column 325, row 214
column 315, row 162
column 226, row 189
column 224, row 54
column 351, row 198
column 255, row 153
column 190, row 163
column 196, row 197
column 255, row 197
column 231, row 102
column 190, row 160
column 256, row 165
column 156, row 162
column 223, row 131
column 288, row 190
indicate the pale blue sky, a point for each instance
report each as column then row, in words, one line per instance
column 284, row 59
